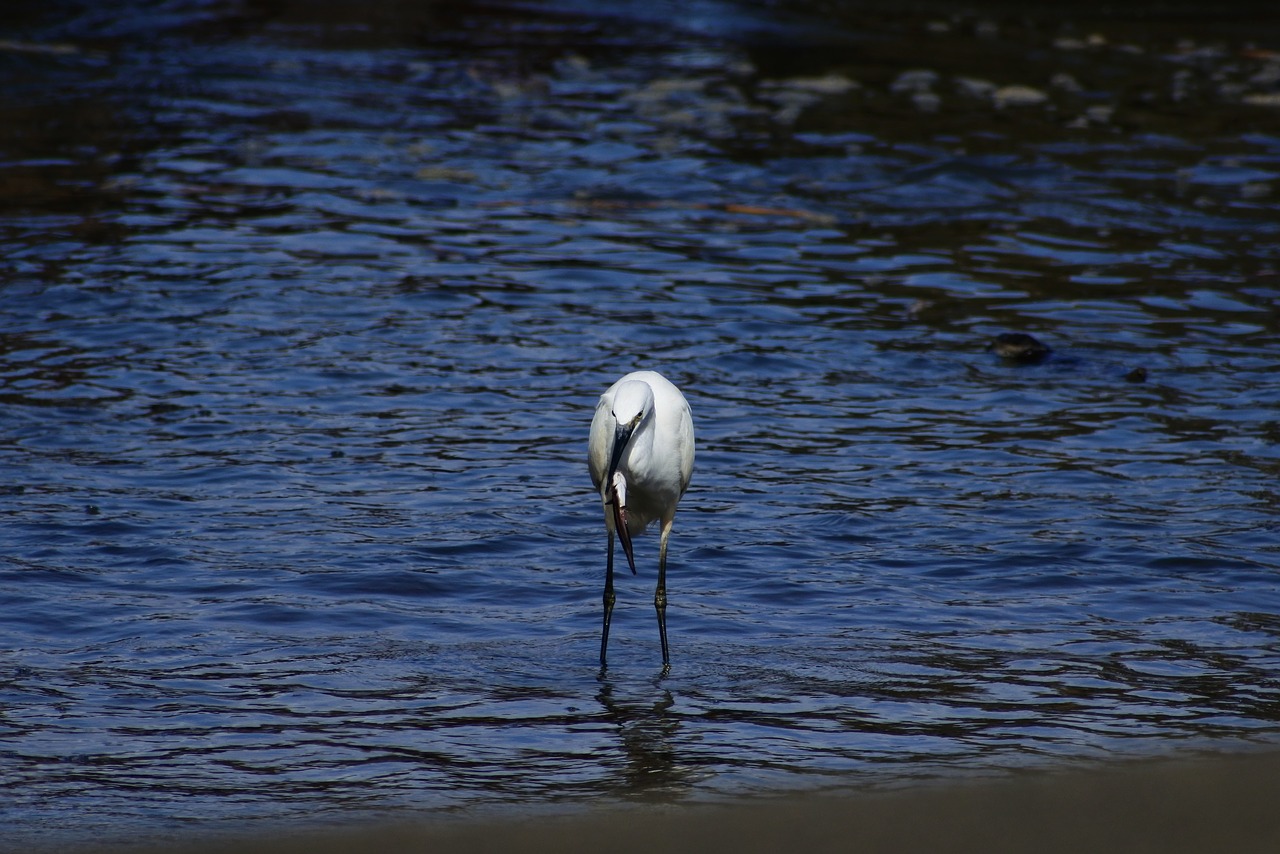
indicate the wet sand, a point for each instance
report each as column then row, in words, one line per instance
column 1225, row 803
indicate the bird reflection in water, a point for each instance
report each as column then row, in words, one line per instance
column 647, row 730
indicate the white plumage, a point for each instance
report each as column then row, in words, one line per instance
column 641, row 458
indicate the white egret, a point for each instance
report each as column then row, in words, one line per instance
column 641, row 459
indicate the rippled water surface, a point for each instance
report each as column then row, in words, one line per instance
column 304, row 309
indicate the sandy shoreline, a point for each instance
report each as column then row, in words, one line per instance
column 1223, row 803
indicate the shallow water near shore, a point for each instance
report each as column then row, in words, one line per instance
column 303, row 316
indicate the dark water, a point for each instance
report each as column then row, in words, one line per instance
column 303, row 313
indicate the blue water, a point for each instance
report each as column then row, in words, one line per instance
column 303, row 316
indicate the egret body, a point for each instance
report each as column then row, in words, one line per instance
column 641, row 458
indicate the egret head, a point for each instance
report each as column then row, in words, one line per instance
column 632, row 403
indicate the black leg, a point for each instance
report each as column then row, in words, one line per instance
column 608, row 601
column 660, row 596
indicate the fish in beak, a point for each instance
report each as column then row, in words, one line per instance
column 616, row 490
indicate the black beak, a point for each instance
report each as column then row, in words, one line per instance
column 621, row 435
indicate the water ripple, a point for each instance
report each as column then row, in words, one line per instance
column 306, row 316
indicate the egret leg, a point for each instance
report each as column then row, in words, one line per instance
column 608, row 601
column 660, row 595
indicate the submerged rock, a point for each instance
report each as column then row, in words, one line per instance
column 1019, row 96
column 1019, row 347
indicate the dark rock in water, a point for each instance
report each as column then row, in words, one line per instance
column 1137, row 375
column 1019, row 347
